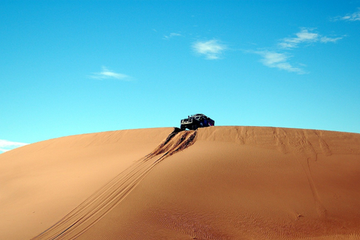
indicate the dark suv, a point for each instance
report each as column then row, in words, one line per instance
column 195, row 121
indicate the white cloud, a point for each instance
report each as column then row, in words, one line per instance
column 108, row 74
column 279, row 57
column 327, row 39
column 210, row 49
column 171, row 35
column 304, row 36
column 301, row 37
column 351, row 17
column 6, row 145
column 278, row 60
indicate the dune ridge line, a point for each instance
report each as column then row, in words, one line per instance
column 102, row 201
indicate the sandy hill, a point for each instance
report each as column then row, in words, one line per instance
column 213, row 183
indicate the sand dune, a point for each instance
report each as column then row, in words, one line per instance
column 212, row 183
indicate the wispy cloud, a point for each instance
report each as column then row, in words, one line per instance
column 304, row 36
column 171, row 35
column 350, row 17
column 327, row 39
column 278, row 57
column 301, row 37
column 108, row 74
column 6, row 145
column 210, row 49
column 278, row 60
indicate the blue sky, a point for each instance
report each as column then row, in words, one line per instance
column 73, row 67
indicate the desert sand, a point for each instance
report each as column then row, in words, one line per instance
column 213, row 183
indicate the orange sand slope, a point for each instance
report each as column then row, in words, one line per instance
column 213, row 183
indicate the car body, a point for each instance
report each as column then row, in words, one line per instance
column 195, row 121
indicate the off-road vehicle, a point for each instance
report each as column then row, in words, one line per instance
column 195, row 121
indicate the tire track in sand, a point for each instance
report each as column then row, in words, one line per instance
column 105, row 199
column 305, row 154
